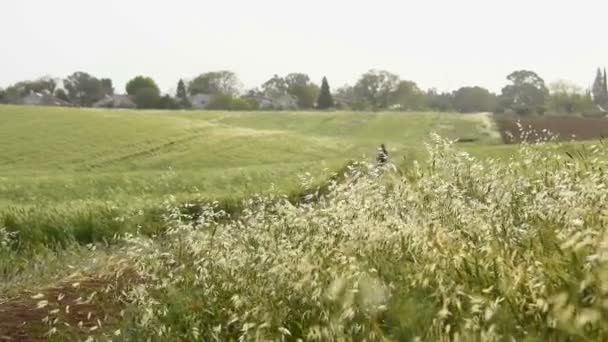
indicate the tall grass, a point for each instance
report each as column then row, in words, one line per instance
column 459, row 249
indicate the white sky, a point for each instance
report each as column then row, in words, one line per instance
column 437, row 43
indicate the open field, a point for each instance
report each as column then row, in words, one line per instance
column 503, row 242
column 75, row 170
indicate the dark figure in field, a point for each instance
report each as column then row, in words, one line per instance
column 382, row 156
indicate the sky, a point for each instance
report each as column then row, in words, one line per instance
column 442, row 44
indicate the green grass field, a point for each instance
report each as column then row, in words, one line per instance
column 510, row 245
column 62, row 155
column 65, row 170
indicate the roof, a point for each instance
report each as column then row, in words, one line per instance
column 45, row 99
column 116, row 101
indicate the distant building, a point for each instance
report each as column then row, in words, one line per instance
column 115, row 101
column 200, row 101
column 279, row 102
column 43, row 99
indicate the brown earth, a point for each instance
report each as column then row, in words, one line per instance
column 561, row 128
column 76, row 309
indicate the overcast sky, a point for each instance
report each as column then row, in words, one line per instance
column 437, row 43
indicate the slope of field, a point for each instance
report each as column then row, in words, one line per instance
column 460, row 249
column 89, row 173
column 60, row 155
column 456, row 248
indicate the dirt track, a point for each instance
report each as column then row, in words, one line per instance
column 75, row 309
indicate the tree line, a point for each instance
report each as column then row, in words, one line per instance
column 525, row 93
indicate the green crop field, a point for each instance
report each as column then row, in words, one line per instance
column 63, row 155
column 108, row 230
column 75, row 170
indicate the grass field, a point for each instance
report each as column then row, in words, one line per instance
column 501, row 243
column 75, row 170
column 63, row 155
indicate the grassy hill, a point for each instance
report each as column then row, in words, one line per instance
column 459, row 249
column 68, row 173
column 58, row 155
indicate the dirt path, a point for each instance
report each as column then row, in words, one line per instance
column 70, row 310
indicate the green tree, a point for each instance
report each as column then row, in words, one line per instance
column 181, row 95
column 167, row 102
column 181, row 90
column 377, row 87
column 141, row 82
column 41, row 85
column 408, row 96
column 145, row 92
column 325, row 99
column 147, row 98
column 474, row 99
column 442, row 102
column 275, row 87
column 106, row 85
column 526, row 94
column 84, row 89
column 300, row 86
column 2, row 95
column 215, row 83
column 62, row 95
column 600, row 89
column 229, row 102
column 567, row 97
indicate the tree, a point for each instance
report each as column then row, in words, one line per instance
column 62, row 95
column 215, row 83
column 107, row 86
column 275, row 87
column 300, row 86
column 408, row 96
column 181, row 95
column 567, row 97
column 141, row 82
column 147, row 98
column 474, row 99
column 346, row 98
column 599, row 89
column 526, row 93
column 377, row 87
column 2, row 95
column 145, row 92
column 41, row 85
column 84, row 89
column 325, row 99
column 297, row 85
column 605, row 83
column 181, row 90
column 442, row 102
column 167, row 102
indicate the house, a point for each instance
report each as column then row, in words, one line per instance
column 285, row 101
column 115, row 101
column 200, row 101
column 43, row 99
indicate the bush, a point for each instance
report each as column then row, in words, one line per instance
column 228, row 102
